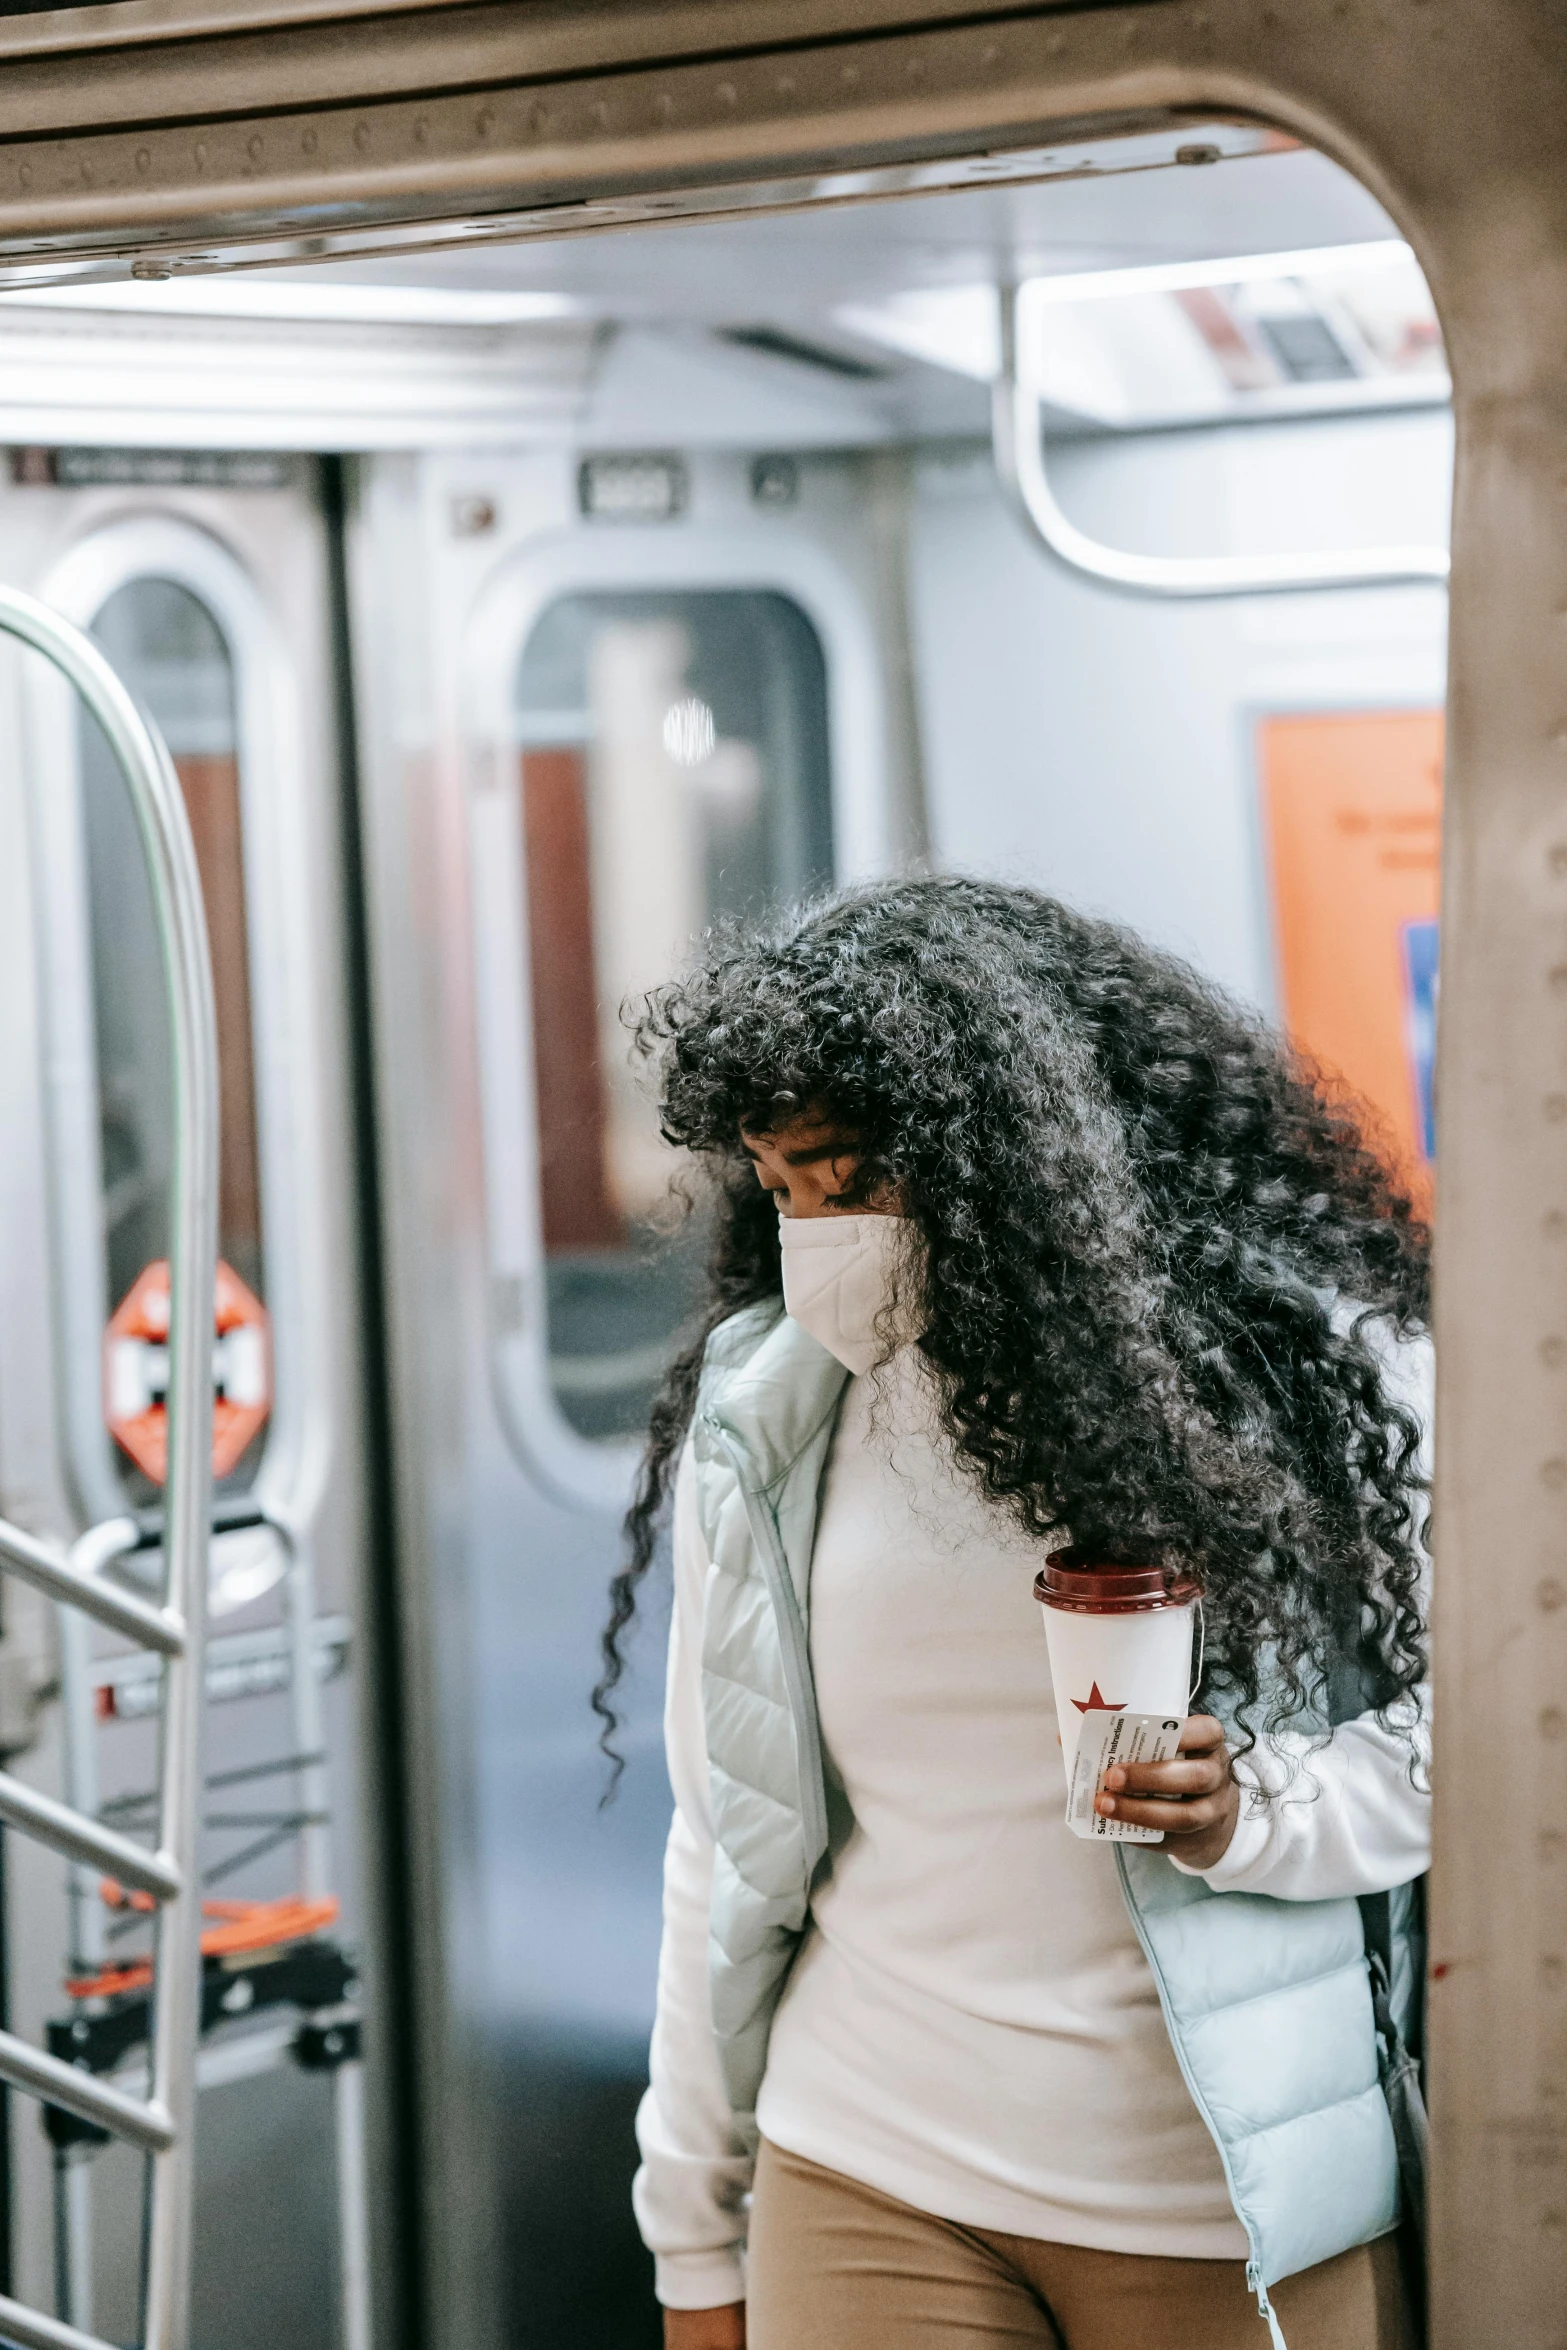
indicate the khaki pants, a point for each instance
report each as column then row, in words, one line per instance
column 835, row 2266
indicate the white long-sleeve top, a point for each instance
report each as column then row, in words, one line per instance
column 971, row 2025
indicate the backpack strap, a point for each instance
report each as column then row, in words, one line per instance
column 1401, row 2086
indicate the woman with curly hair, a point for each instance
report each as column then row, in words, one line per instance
column 1024, row 1236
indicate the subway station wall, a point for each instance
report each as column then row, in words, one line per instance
column 1102, row 746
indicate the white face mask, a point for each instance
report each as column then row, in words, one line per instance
column 839, row 1273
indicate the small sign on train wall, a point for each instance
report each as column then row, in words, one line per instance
column 1352, row 804
column 136, row 1371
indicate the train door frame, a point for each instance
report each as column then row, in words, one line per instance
column 1455, row 115
column 515, row 595
column 245, row 564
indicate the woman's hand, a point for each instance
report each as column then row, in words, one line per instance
column 705, row 2329
column 1194, row 1798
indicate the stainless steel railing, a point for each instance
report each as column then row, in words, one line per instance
column 1017, row 439
column 160, row 2124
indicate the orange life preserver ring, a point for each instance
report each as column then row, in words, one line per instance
column 136, row 1370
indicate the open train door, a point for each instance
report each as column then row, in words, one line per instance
column 207, row 581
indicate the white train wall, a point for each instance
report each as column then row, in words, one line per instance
column 1102, row 747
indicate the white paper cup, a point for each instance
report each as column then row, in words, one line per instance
column 1119, row 1640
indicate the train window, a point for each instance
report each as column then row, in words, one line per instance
column 674, row 769
column 166, row 644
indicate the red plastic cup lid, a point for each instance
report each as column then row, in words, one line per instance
column 1098, row 1587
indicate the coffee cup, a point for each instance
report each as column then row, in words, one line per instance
column 1120, row 1640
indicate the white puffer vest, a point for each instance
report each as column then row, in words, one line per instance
column 1267, row 2002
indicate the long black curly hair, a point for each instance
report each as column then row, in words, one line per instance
column 1143, row 1216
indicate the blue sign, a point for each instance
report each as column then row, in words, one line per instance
column 1420, row 992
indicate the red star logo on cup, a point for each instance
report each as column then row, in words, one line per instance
column 1095, row 1704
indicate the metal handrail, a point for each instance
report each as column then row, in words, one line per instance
column 81, row 1839
column 145, row 2125
column 162, row 2124
column 1017, row 438
column 34, row 1562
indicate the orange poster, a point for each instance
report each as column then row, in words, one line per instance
column 1352, row 812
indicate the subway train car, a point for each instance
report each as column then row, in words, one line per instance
column 556, row 479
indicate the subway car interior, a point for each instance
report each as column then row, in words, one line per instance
column 1070, row 508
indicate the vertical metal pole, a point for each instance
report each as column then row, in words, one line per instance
column 77, row 2163
column 88, row 1940
column 176, row 2021
column 299, row 1608
column 353, row 2205
column 143, row 760
column 73, row 2217
column 7, row 2192
column 64, row 2296
column 89, row 1944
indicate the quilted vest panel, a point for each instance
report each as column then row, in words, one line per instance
column 765, row 1413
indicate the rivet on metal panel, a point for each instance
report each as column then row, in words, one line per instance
column 538, row 118
column 309, row 142
column 990, row 54
column 727, row 93
column 850, row 75
column 601, row 113
column 775, row 481
column 663, row 106
column 421, row 131
column 361, row 136
column 255, row 146
column 25, row 175
column 1551, row 1594
column 1553, row 1473
column 143, row 159
column 785, row 85
column 1555, row 1107
column 1553, row 1723
column 199, row 154
column 483, row 122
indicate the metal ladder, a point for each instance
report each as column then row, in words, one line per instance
column 161, row 2124
column 336, row 2037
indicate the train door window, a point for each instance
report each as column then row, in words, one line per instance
column 166, row 644
column 674, row 770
